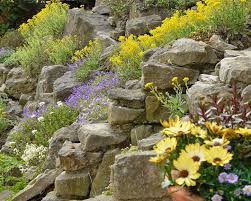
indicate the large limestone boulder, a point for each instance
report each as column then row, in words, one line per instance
column 98, row 136
column 17, row 83
column 204, row 90
column 72, row 158
column 161, row 74
column 135, row 178
column 118, row 115
column 188, row 53
column 46, row 79
column 69, row 133
column 63, row 85
column 102, row 178
column 235, row 53
column 142, row 25
column 73, row 185
column 38, row 185
column 86, row 24
column 235, row 69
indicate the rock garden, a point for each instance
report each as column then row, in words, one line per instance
column 125, row 100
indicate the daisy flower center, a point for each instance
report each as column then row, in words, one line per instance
column 196, row 158
column 217, row 160
column 184, row 173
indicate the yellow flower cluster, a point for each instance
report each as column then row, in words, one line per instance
column 54, row 10
column 211, row 147
column 181, row 24
column 93, row 46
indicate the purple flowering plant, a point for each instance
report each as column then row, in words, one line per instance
column 5, row 53
column 91, row 98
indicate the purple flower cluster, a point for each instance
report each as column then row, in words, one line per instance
column 73, row 66
column 27, row 113
column 217, row 197
column 91, row 97
column 229, row 178
column 247, row 190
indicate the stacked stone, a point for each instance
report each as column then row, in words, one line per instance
column 86, row 164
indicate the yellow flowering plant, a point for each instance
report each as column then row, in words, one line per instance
column 227, row 16
column 205, row 159
column 175, row 103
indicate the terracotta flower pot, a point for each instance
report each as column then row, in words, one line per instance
column 181, row 193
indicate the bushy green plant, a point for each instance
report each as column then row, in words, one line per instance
column 174, row 103
column 40, row 125
column 11, row 39
column 120, row 8
column 7, row 163
column 87, row 59
column 4, row 121
column 60, row 51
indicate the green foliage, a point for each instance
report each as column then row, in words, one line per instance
column 90, row 58
column 11, row 39
column 4, row 121
column 14, row 12
column 120, row 8
column 175, row 103
column 39, row 130
column 8, row 163
column 169, row 4
column 60, row 51
column 44, row 43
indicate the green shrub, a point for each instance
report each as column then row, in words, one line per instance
column 8, row 163
column 39, row 127
column 60, row 51
column 11, row 39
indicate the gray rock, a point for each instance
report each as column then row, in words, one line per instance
column 86, row 24
column 38, row 185
column 102, row 179
column 24, row 98
column 148, row 143
column 209, row 78
column 102, row 10
column 204, row 91
column 219, row 44
column 18, row 83
column 118, row 115
column 3, row 74
column 62, row 86
column 115, row 34
column 235, row 53
column 105, row 40
column 161, row 74
column 4, row 195
column 142, row 25
column 235, row 69
column 51, row 196
column 72, row 185
column 140, row 132
column 135, row 178
column 246, row 94
column 69, row 133
column 72, row 158
column 133, row 84
column 131, row 98
column 98, row 136
column 155, row 111
column 189, row 53
column 101, row 198
column 47, row 77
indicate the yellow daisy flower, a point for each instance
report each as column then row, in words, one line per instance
column 170, row 122
column 214, row 127
column 217, row 142
column 196, row 152
column 199, row 132
column 188, row 170
column 244, row 131
column 218, row 156
column 165, row 146
column 228, row 132
column 149, row 84
column 157, row 159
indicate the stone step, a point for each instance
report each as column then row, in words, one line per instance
column 99, row 136
column 148, row 143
